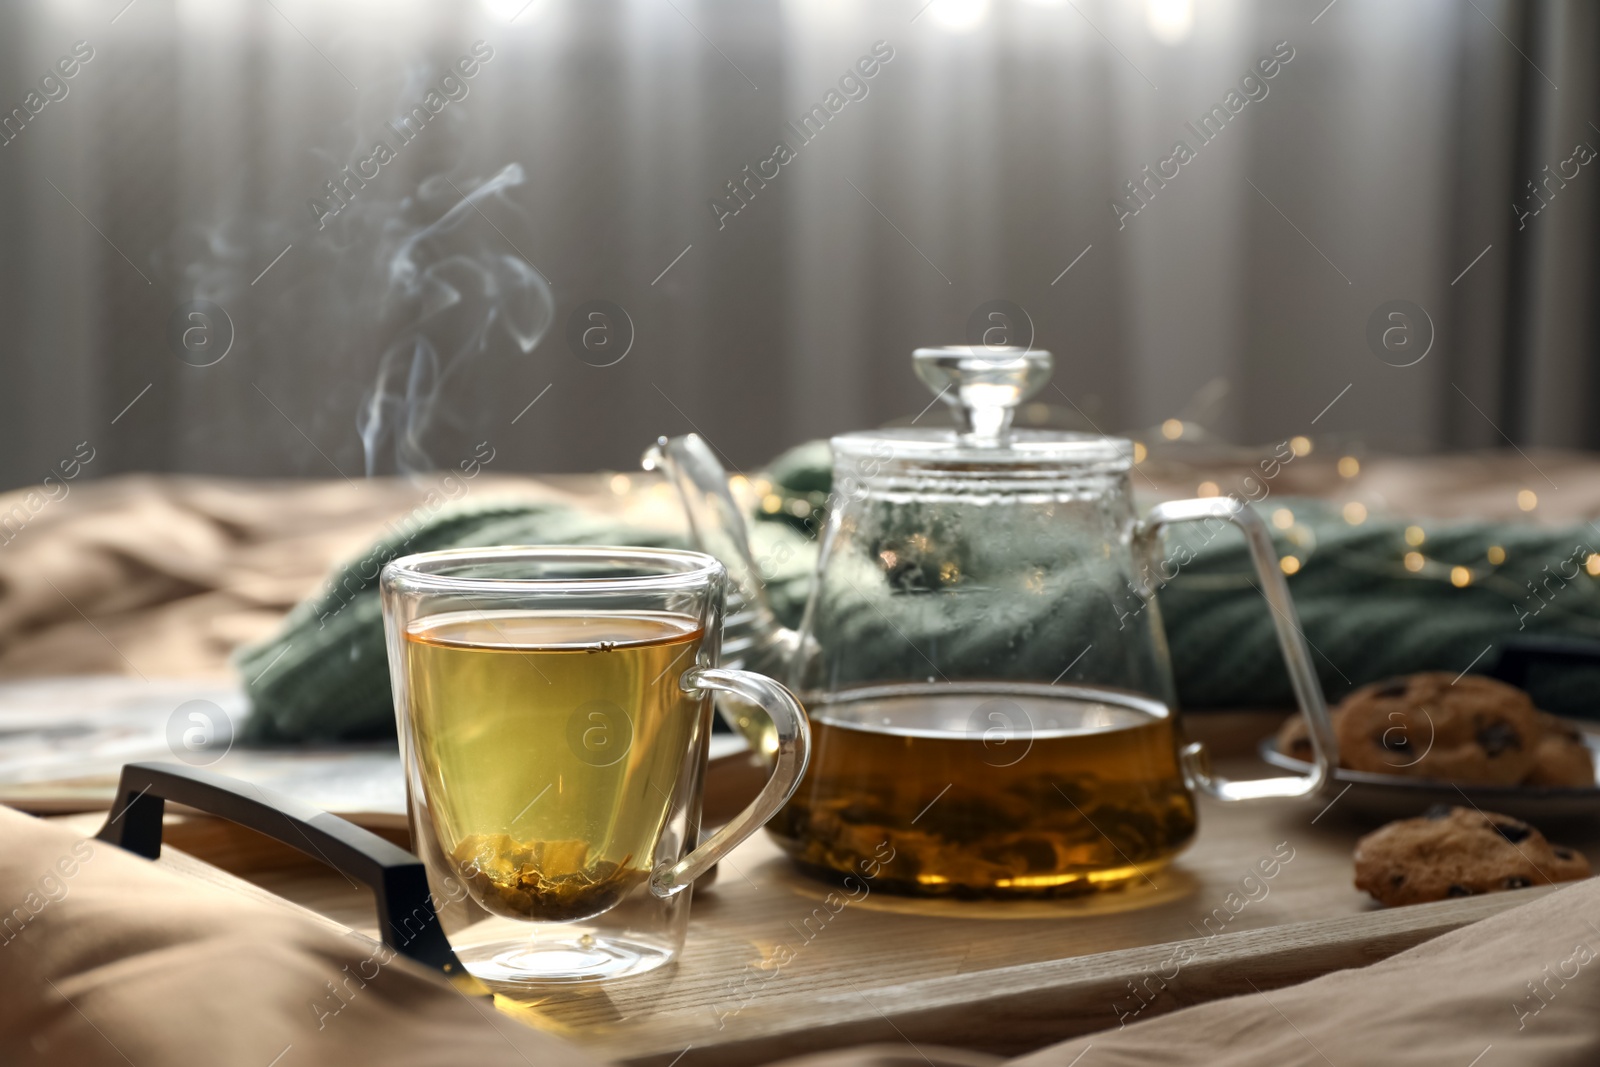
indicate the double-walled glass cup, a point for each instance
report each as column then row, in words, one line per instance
column 554, row 709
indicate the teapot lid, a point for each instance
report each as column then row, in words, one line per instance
column 983, row 386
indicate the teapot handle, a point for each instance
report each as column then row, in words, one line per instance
column 1296, row 655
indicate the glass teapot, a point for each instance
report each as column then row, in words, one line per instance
column 981, row 655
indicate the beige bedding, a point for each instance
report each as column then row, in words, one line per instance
column 155, row 576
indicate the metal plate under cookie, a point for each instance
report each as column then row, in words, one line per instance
column 1387, row 796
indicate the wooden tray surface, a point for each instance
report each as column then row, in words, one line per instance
column 771, row 970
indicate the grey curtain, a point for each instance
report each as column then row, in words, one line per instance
column 581, row 163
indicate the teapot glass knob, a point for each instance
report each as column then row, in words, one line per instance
column 983, row 385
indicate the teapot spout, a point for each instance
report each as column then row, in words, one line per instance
column 753, row 638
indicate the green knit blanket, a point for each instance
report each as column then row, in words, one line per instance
column 1367, row 615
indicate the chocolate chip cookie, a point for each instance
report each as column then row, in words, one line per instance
column 1561, row 757
column 1435, row 725
column 1459, row 852
column 1294, row 736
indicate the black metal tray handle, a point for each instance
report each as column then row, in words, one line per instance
column 399, row 885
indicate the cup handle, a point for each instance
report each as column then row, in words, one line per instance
column 788, row 764
column 1291, row 640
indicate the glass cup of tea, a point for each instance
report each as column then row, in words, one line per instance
column 554, row 710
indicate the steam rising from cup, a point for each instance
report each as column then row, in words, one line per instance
column 452, row 285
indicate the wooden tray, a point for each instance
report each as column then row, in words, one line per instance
column 773, row 968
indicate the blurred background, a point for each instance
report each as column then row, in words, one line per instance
column 207, row 264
